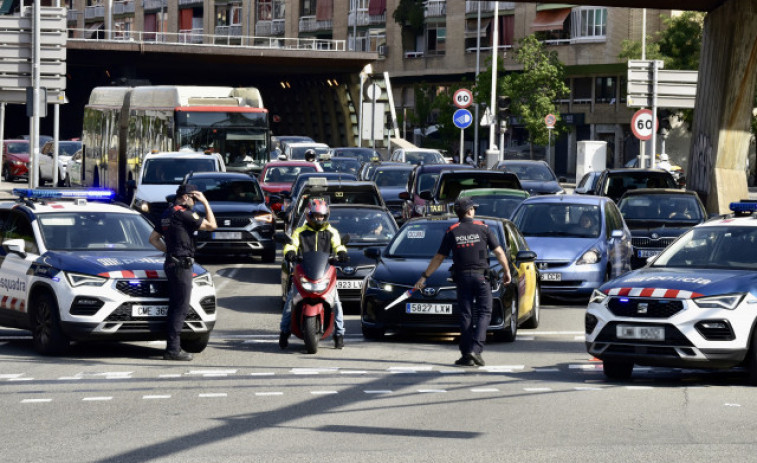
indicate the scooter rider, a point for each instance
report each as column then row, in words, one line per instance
column 315, row 235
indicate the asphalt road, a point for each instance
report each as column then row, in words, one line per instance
column 539, row 399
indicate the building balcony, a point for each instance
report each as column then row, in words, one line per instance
column 233, row 30
column 310, row 24
column 365, row 19
column 487, row 7
column 270, row 28
column 435, row 9
column 72, row 16
column 190, row 3
column 94, row 12
column 190, row 35
column 154, row 5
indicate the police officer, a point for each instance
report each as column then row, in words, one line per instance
column 468, row 241
column 174, row 236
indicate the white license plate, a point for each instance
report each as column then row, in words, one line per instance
column 349, row 284
column 550, row 276
column 227, row 235
column 645, row 253
column 149, row 310
column 433, row 309
column 648, row 333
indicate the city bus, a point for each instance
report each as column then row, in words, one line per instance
column 122, row 124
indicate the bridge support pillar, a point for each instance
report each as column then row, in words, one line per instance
column 721, row 128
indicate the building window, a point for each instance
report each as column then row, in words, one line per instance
column 436, row 38
column 589, row 23
column 582, row 90
column 308, row 8
column 605, row 89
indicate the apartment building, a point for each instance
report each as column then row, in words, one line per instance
column 440, row 50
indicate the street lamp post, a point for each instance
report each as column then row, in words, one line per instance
column 367, row 70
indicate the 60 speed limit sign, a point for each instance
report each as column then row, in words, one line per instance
column 463, row 98
column 641, row 124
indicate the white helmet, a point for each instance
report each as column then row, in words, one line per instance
column 664, row 157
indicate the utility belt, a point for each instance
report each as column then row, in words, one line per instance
column 488, row 273
column 181, row 261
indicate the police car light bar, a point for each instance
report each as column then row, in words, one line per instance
column 744, row 207
column 54, row 193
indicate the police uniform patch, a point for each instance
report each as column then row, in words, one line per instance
column 195, row 216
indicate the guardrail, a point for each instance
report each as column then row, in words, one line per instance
column 193, row 38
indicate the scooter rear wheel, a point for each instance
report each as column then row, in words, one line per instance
column 310, row 334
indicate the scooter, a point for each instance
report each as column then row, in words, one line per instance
column 313, row 312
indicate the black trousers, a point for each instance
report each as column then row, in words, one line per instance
column 179, row 293
column 474, row 299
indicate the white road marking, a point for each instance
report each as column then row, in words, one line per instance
column 35, row 401
column 732, row 405
column 455, row 371
column 312, row 371
column 115, row 374
column 170, row 375
column 11, row 375
column 97, row 399
column 263, row 373
column 353, row 372
column 593, row 366
column 212, row 372
column 537, row 389
column 526, row 338
column 431, row 391
column 580, row 338
column 212, row 395
column 70, row 378
column 150, row 397
column 484, row 389
column 323, row 392
column 502, row 368
column 25, row 378
column 268, row 393
column 413, row 369
column 378, row 391
column 588, row 388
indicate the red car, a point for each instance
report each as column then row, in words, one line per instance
column 15, row 159
column 278, row 176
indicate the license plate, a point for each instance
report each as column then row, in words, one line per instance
column 227, row 235
column 645, row 253
column 149, row 310
column 425, row 308
column 648, row 333
column 349, row 284
column 550, row 276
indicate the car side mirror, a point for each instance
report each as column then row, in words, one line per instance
column 426, row 195
column 372, row 253
column 404, row 195
column 525, row 256
column 282, row 157
column 616, row 234
column 16, row 246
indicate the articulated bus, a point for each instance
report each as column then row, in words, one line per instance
column 122, row 124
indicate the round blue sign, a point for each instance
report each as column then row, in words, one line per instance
column 462, row 118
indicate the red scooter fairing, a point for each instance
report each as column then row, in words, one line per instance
column 312, row 308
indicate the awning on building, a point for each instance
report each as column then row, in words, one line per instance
column 550, row 20
column 470, row 27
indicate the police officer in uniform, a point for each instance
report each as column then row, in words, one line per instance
column 468, row 241
column 174, row 236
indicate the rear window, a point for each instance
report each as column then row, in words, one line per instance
column 450, row 186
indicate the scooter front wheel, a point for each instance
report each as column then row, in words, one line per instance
column 310, row 334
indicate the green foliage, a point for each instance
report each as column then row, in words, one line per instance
column 681, row 41
column 409, row 14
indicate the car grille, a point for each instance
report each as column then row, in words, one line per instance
column 655, row 308
column 233, row 222
column 541, row 265
column 652, row 243
column 673, row 337
column 143, row 288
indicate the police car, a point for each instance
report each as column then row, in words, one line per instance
column 74, row 266
column 693, row 306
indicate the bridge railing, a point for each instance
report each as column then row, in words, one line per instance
column 194, row 38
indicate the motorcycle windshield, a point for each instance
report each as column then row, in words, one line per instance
column 315, row 264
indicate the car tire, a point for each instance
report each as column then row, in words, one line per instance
column 618, row 370
column 197, row 344
column 511, row 332
column 67, row 181
column 374, row 334
column 269, row 256
column 752, row 360
column 533, row 322
column 7, row 176
column 47, row 335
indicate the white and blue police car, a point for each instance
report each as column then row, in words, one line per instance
column 692, row 306
column 75, row 266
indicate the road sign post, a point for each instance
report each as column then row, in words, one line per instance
column 550, row 121
column 641, row 125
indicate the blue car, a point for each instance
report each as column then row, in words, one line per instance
column 580, row 241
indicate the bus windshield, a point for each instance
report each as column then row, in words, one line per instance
column 235, row 135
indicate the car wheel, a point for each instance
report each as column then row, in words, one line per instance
column 752, row 360
column 47, row 335
column 533, row 321
column 512, row 330
column 7, row 175
column 375, row 334
column 195, row 345
column 618, row 369
column 269, row 256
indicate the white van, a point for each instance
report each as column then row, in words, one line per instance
column 162, row 173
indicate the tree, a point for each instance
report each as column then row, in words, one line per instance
column 533, row 91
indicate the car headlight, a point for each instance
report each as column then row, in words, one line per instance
column 19, row 163
column 314, row 286
column 203, row 280
column 597, row 297
column 589, row 257
column 264, row 218
column 372, row 283
column 727, row 301
column 80, row 279
column 142, row 205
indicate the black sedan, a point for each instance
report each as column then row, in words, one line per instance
column 536, row 177
column 245, row 223
column 434, row 309
column 367, row 226
column 657, row 217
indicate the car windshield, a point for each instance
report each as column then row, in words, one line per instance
column 95, row 231
column 726, row 247
column 660, row 207
column 558, row 219
column 346, row 165
column 285, row 174
column 426, row 157
column 171, row 171
column 240, row 191
column 451, row 185
column 362, row 154
column 426, row 181
column 363, row 225
column 391, row 177
column 344, row 196
column 298, row 152
column 535, row 172
column 497, row 205
column 68, row 148
column 422, row 239
column 619, row 183
column 17, row 147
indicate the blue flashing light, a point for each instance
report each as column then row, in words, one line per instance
column 55, row 193
column 623, row 299
column 744, row 206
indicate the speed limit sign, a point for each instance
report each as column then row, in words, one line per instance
column 463, row 98
column 641, row 124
